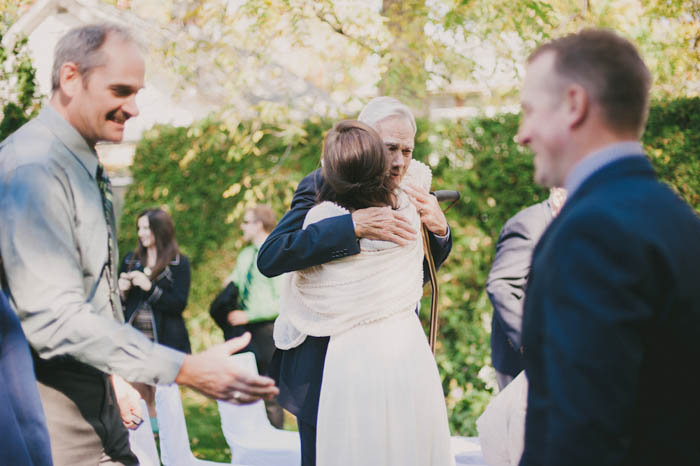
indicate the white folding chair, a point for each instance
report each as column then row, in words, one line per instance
column 174, row 442
column 142, row 442
column 467, row 451
column 249, row 434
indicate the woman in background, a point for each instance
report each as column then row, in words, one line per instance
column 154, row 281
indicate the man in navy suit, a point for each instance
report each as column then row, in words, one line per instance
column 612, row 309
column 508, row 279
column 299, row 371
column 24, row 440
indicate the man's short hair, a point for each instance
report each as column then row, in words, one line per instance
column 264, row 213
column 383, row 108
column 609, row 67
column 83, row 46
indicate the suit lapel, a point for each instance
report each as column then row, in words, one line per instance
column 613, row 172
column 620, row 168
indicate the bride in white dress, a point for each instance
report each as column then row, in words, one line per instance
column 381, row 401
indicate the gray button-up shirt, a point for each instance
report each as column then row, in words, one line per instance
column 53, row 244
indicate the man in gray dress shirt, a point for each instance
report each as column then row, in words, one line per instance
column 57, row 248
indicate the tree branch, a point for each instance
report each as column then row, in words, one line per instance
column 338, row 28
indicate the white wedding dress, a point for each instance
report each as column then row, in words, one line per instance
column 381, row 401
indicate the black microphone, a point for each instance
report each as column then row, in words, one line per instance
column 446, row 195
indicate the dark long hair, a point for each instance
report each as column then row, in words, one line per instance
column 163, row 229
column 356, row 167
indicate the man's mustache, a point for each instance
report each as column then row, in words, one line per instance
column 118, row 116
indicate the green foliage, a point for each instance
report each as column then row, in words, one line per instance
column 672, row 140
column 207, row 175
column 480, row 159
column 19, row 97
column 406, row 48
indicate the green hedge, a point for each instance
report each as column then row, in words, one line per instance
column 206, row 175
column 19, row 92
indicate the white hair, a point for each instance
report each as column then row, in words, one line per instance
column 383, row 108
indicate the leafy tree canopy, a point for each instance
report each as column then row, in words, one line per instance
column 342, row 52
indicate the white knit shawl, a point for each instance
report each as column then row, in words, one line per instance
column 384, row 279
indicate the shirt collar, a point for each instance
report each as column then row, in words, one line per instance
column 70, row 137
column 597, row 160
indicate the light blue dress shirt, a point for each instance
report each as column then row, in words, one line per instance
column 597, row 160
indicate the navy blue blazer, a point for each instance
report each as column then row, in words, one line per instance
column 298, row 371
column 24, row 439
column 507, row 281
column 611, row 329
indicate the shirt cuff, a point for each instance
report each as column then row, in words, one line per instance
column 165, row 363
column 442, row 240
column 357, row 240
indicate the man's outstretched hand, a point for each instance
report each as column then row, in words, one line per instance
column 214, row 373
column 384, row 224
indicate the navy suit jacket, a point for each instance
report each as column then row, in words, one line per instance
column 612, row 326
column 24, row 439
column 507, row 281
column 299, row 371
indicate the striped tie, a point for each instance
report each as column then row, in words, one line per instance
column 105, row 187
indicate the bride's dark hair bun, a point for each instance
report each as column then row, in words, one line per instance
column 355, row 167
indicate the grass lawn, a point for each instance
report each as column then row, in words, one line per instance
column 204, row 427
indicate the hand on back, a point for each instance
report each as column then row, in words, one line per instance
column 383, row 223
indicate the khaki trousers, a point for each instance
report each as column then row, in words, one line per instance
column 82, row 415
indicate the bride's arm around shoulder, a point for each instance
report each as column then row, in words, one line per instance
column 323, row 211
